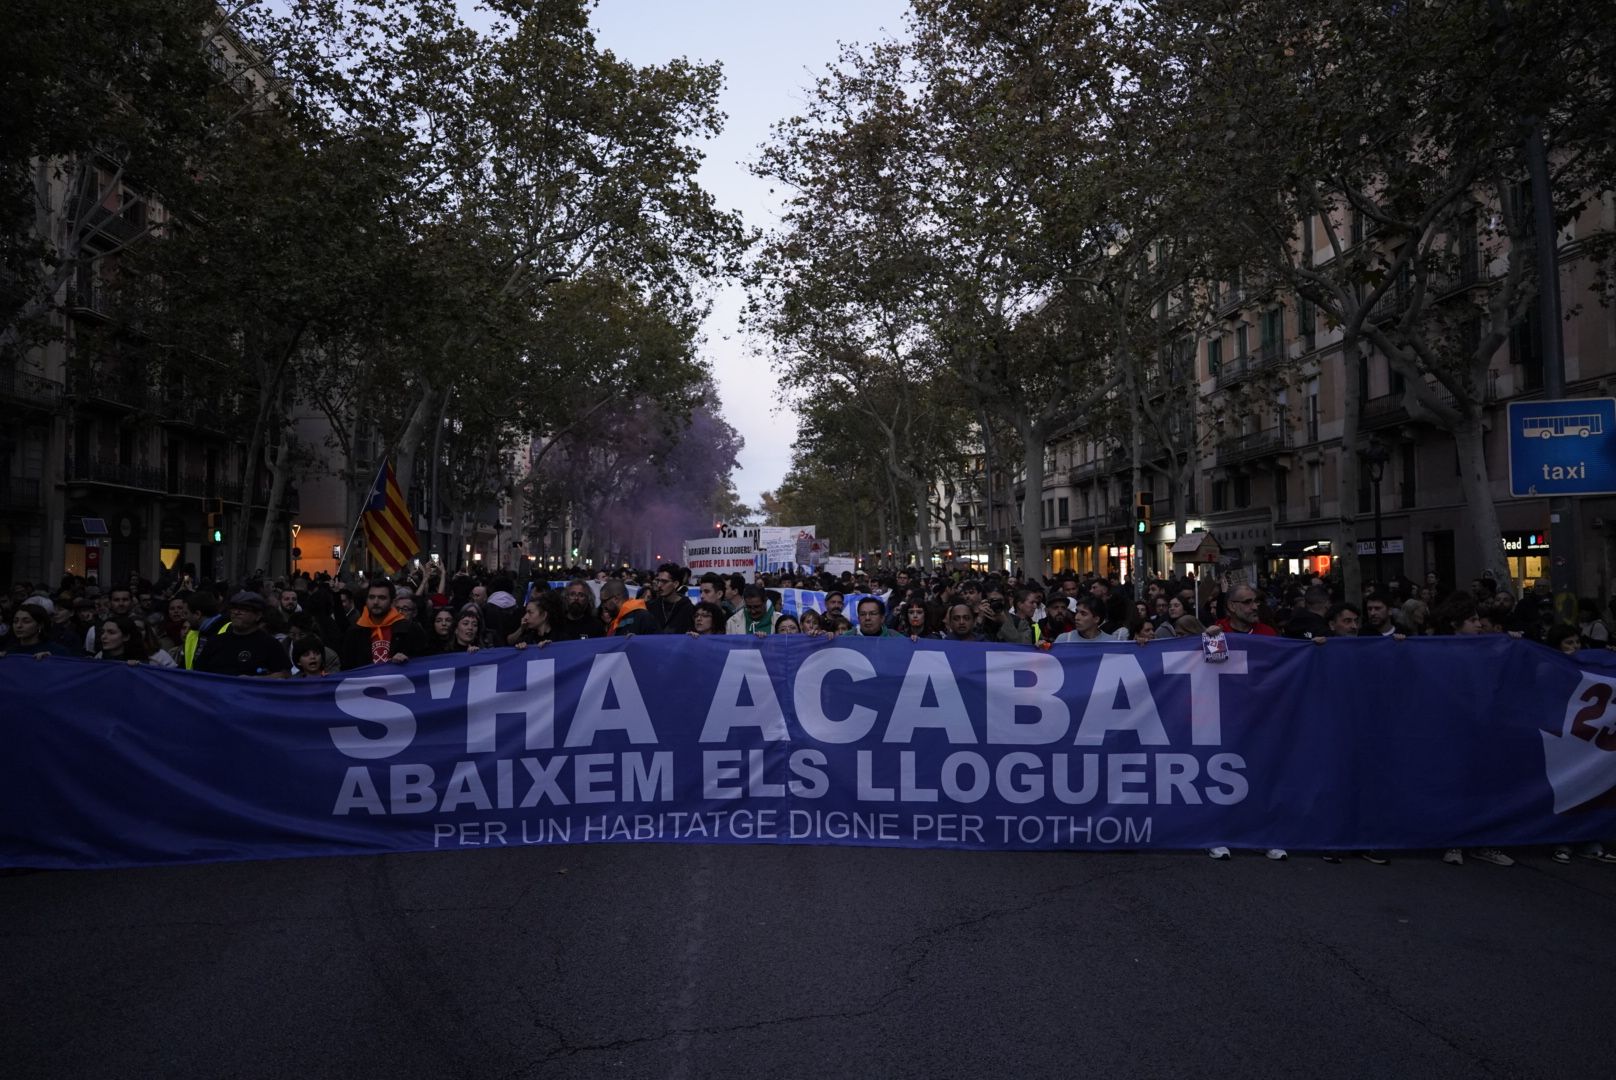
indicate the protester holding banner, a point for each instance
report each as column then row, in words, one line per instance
column 709, row 618
column 756, row 615
column 578, row 618
column 243, row 647
column 1242, row 618
column 381, row 634
column 872, row 615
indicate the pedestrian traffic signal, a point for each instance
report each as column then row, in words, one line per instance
column 1141, row 512
column 216, row 528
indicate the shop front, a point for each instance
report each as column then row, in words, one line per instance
column 1391, row 558
column 1300, row 557
column 1528, row 556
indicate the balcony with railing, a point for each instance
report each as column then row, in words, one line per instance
column 118, row 384
column 90, row 297
column 21, row 495
column 1254, row 444
column 28, row 389
column 1382, row 411
column 1115, row 517
column 1228, row 298
column 116, row 474
column 177, row 406
column 1269, row 354
column 1231, row 371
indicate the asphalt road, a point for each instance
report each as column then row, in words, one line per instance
column 688, row 961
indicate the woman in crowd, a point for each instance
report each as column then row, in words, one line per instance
column 1414, row 618
column 441, row 636
column 469, row 635
column 812, row 623
column 787, row 624
column 540, row 617
column 30, row 625
column 1142, row 630
column 122, row 639
column 1565, row 638
column 708, row 619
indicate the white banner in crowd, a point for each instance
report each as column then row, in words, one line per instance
column 721, row 555
column 837, row 565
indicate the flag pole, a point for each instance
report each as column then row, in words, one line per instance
column 347, row 548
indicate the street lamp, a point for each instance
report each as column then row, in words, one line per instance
column 1375, row 456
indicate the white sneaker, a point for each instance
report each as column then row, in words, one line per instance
column 1494, row 856
column 1219, row 853
column 1275, row 853
column 1453, row 856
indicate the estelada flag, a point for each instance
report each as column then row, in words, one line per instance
column 389, row 532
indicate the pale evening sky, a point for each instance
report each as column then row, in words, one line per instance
column 771, row 51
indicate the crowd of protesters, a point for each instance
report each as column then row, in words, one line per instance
column 310, row 625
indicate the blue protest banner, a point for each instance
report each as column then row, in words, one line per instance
column 1360, row 743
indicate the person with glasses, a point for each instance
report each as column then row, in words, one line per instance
column 1242, row 617
column 578, row 618
column 670, row 610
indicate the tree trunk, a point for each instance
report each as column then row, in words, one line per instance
column 1346, row 553
column 922, row 500
column 1487, row 541
column 409, row 441
column 1032, row 534
column 987, row 490
column 278, row 469
column 1138, row 480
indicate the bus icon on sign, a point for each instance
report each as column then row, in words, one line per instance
column 1554, row 427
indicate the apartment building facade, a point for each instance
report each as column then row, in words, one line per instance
column 1263, row 449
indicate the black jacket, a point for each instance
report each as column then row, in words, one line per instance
column 408, row 638
column 676, row 616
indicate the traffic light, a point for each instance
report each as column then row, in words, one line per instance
column 1141, row 512
column 216, row 528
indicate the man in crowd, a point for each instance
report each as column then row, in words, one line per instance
column 756, row 615
column 1242, row 617
column 382, row 634
column 670, row 609
column 621, row 616
column 244, row 647
column 872, row 620
column 961, row 623
column 1309, row 622
column 1018, row 627
column 578, row 619
column 1088, row 617
column 1342, row 620
column 1057, row 617
column 1378, row 617
column 733, row 585
column 120, row 601
column 835, row 602
column 712, row 589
